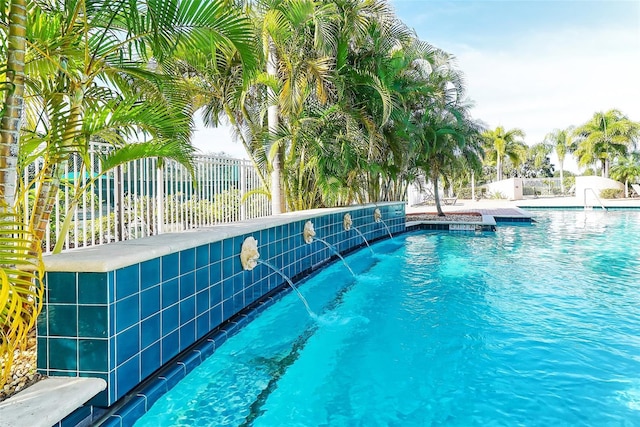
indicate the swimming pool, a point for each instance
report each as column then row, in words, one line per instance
column 531, row 325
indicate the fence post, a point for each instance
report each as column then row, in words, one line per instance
column 243, row 189
column 160, row 199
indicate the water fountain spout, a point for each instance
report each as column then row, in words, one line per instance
column 309, row 235
column 309, row 232
column 249, row 253
column 250, row 257
column 377, row 217
column 348, row 222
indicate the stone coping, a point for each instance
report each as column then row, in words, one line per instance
column 109, row 257
column 48, row 401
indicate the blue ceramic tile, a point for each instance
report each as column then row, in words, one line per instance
column 202, row 256
column 215, row 316
column 206, row 349
column 43, row 351
column 170, row 266
column 202, row 278
column 127, row 281
column 43, row 322
column 149, row 273
column 170, row 319
column 127, row 344
column 127, row 312
column 150, row 330
column 191, row 361
column 93, row 321
column 215, row 273
column 187, row 310
column 61, row 287
column 63, row 353
column 93, row 355
column 81, row 416
column 227, row 268
column 202, row 302
column 150, row 302
column 215, row 294
column 154, row 390
column 227, row 288
column 132, row 410
column 187, row 260
column 170, row 292
column 113, row 421
column 202, row 325
column 228, row 250
column 111, row 388
column 187, row 285
column 92, row 288
column 128, row 376
column 238, row 301
column 228, row 309
column 150, row 360
column 238, row 283
column 170, row 345
column 218, row 339
column 63, row 320
column 215, row 252
column 173, row 375
column 187, row 334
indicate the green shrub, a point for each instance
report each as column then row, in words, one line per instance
column 611, row 193
column 496, row 195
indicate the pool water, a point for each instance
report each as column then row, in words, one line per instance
column 533, row 325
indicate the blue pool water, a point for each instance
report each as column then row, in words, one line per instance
column 532, row 325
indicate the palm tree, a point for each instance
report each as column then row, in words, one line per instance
column 605, row 137
column 121, row 88
column 294, row 35
column 13, row 99
column 501, row 144
column 627, row 169
column 562, row 141
column 94, row 69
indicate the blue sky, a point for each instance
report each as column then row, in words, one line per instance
column 537, row 65
column 533, row 65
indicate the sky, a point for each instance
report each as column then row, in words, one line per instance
column 533, row 65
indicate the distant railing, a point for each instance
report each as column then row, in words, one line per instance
column 545, row 187
column 140, row 199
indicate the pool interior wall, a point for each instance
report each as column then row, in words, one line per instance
column 147, row 311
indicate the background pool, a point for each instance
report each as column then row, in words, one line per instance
column 531, row 325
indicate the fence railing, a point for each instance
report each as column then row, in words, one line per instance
column 141, row 199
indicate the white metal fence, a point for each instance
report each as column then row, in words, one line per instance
column 140, row 199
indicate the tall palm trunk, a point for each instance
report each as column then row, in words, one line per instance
column 273, row 117
column 14, row 101
column 499, row 168
column 434, row 179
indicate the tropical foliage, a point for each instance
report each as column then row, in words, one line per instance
column 605, row 138
column 501, row 144
column 88, row 70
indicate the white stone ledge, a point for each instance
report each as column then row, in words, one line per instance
column 48, row 401
column 109, row 257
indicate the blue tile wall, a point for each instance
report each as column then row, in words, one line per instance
column 125, row 324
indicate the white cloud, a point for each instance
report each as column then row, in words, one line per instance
column 554, row 80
